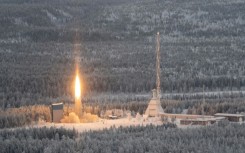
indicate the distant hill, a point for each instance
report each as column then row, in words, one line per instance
column 202, row 44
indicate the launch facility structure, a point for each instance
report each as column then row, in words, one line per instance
column 154, row 107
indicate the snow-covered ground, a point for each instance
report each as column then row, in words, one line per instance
column 103, row 124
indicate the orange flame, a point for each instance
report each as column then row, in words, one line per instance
column 77, row 87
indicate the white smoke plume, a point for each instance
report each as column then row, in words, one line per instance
column 71, row 118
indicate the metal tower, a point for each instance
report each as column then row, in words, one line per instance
column 158, row 70
column 154, row 107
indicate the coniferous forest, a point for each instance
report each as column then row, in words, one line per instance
column 202, row 45
column 220, row 138
column 114, row 43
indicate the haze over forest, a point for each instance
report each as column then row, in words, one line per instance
column 202, row 44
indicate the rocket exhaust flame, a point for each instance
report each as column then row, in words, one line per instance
column 77, row 88
column 78, row 105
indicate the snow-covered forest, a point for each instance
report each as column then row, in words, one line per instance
column 220, row 138
column 113, row 41
column 202, row 44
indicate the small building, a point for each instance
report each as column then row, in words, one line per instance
column 114, row 112
column 112, row 117
column 57, row 112
column 196, row 122
column 231, row 117
column 186, row 119
column 201, row 121
column 183, row 116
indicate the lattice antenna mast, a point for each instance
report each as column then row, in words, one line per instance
column 158, row 71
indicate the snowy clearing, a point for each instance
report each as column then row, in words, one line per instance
column 102, row 124
column 105, row 124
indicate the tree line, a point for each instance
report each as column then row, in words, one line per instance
column 219, row 138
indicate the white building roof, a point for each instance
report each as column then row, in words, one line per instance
column 57, row 104
column 229, row 115
column 206, row 119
